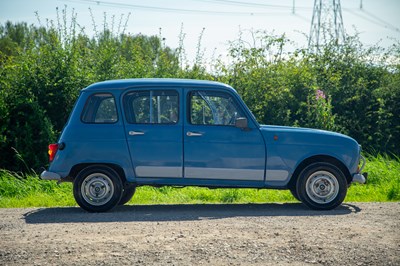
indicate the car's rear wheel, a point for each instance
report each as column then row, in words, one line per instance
column 293, row 190
column 127, row 194
column 321, row 186
column 97, row 188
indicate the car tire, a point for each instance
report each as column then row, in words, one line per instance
column 97, row 188
column 293, row 190
column 127, row 194
column 321, row 186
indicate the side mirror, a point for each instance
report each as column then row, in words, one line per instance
column 241, row 122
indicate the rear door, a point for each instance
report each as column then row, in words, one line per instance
column 213, row 147
column 154, row 131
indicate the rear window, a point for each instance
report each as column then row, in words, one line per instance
column 152, row 107
column 100, row 109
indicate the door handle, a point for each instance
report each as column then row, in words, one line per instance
column 135, row 133
column 193, row 134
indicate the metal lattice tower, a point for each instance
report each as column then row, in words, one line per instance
column 326, row 24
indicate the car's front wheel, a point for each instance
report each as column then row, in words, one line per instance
column 321, row 186
column 97, row 188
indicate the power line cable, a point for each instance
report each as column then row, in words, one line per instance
column 175, row 10
column 251, row 4
column 239, row 3
column 381, row 20
column 374, row 21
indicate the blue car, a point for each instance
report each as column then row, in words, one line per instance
column 123, row 134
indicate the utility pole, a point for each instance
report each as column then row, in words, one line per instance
column 326, row 24
column 294, row 8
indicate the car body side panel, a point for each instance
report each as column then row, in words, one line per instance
column 158, row 152
column 157, row 149
column 223, row 152
column 92, row 143
column 288, row 147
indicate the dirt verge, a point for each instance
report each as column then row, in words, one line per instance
column 239, row 234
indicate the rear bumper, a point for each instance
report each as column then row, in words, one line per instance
column 50, row 176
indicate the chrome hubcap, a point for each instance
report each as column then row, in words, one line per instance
column 97, row 189
column 322, row 187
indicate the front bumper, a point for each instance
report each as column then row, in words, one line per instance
column 46, row 175
column 360, row 177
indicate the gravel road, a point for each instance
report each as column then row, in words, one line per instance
column 239, row 234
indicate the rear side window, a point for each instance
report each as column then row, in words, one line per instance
column 152, row 107
column 100, row 109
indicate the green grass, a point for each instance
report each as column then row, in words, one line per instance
column 383, row 181
column 18, row 190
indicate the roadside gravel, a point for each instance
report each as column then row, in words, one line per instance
column 239, row 234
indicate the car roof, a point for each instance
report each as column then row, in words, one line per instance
column 121, row 84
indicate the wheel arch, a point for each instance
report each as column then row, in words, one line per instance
column 319, row 158
column 79, row 167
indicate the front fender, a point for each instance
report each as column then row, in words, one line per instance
column 288, row 147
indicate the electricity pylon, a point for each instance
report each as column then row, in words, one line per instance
column 326, row 24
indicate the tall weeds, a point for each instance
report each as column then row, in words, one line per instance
column 21, row 190
column 44, row 68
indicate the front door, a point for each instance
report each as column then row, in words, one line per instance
column 154, row 131
column 213, row 147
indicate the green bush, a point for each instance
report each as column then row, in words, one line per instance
column 43, row 69
column 362, row 86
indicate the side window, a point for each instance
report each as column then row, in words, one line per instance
column 100, row 108
column 213, row 108
column 152, row 107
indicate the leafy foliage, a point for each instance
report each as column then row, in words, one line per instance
column 43, row 68
column 319, row 112
column 361, row 87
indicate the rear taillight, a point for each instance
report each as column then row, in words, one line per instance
column 53, row 148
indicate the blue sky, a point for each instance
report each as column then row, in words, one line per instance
column 377, row 21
